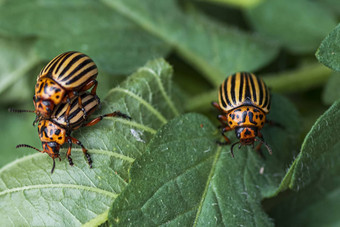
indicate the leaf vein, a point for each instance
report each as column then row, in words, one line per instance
column 59, row 186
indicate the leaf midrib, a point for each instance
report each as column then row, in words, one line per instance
column 59, row 186
column 211, row 174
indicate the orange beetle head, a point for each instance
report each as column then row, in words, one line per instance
column 43, row 108
column 246, row 135
column 51, row 148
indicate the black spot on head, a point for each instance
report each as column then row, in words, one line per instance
column 247, row 132
column 59, row 138
column 261, row 116
column 230, row 122
column 57, row 132
column 52, row 82
column 57, row 96
column 256, row 110
column 257, row 116
column 247, row 109
column 57, row 90
column 261, row 123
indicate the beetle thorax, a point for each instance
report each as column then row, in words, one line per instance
column 47, row 94
column 246, row 116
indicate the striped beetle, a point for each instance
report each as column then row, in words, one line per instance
column 61, row 79
column 244, row 100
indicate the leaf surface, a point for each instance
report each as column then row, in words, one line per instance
column 212, row 48
column 72, row 196
column 300, row 32
column 185, row 179
column 331, row 92
column 116, row 45
column 329, row 50
column 315, row 173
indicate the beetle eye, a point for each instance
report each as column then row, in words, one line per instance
column 238, row 132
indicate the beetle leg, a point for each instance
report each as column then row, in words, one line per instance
column 92, row 83
column 224, row 130
column 98, row 119
column 258, row 147
column 215, row 104
column 68, row 154
column 223, row 119
column 86, row 154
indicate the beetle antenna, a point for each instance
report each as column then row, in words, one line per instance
column 25, row 145
column 232, row 148
column 267, row 146
column 20, row 111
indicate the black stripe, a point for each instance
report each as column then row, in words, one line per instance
column 66, row 56
column 52, row 64
column 253, row 88
column 265, row 104
column 80, row 75
column 232, row 89
column 226, row 94
column 221, row 98
column 240, row 98
column 69, row 64
column 79, row 67
column 247, row 95
column 261, row 90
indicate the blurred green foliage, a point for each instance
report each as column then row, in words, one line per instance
column 204, row 41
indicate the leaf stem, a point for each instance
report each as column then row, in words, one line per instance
column 301, row 79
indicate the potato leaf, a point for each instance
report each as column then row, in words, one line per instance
column 186, row 179
column 76, row 195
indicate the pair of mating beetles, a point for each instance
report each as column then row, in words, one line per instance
column 62, row 103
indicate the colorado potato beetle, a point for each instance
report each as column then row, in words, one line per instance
column 244, row 100
column 55, row 132
column 61, row 79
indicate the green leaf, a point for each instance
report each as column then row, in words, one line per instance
column 116, row 44
column 16, row 60
column 300, row 32
column 315, row 173
column 331, row 91
column 317, row 151
column 329, row 50
column 72, row 196
column 185, row 179
column 214, row 49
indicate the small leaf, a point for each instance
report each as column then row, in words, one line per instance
column 214, row 49
column 317, row 151
column 116, row 45
column 315, row 173
column 185, row 179
column 329, row 50
column 301, row 31
column 331, row 91
column 72, row 196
